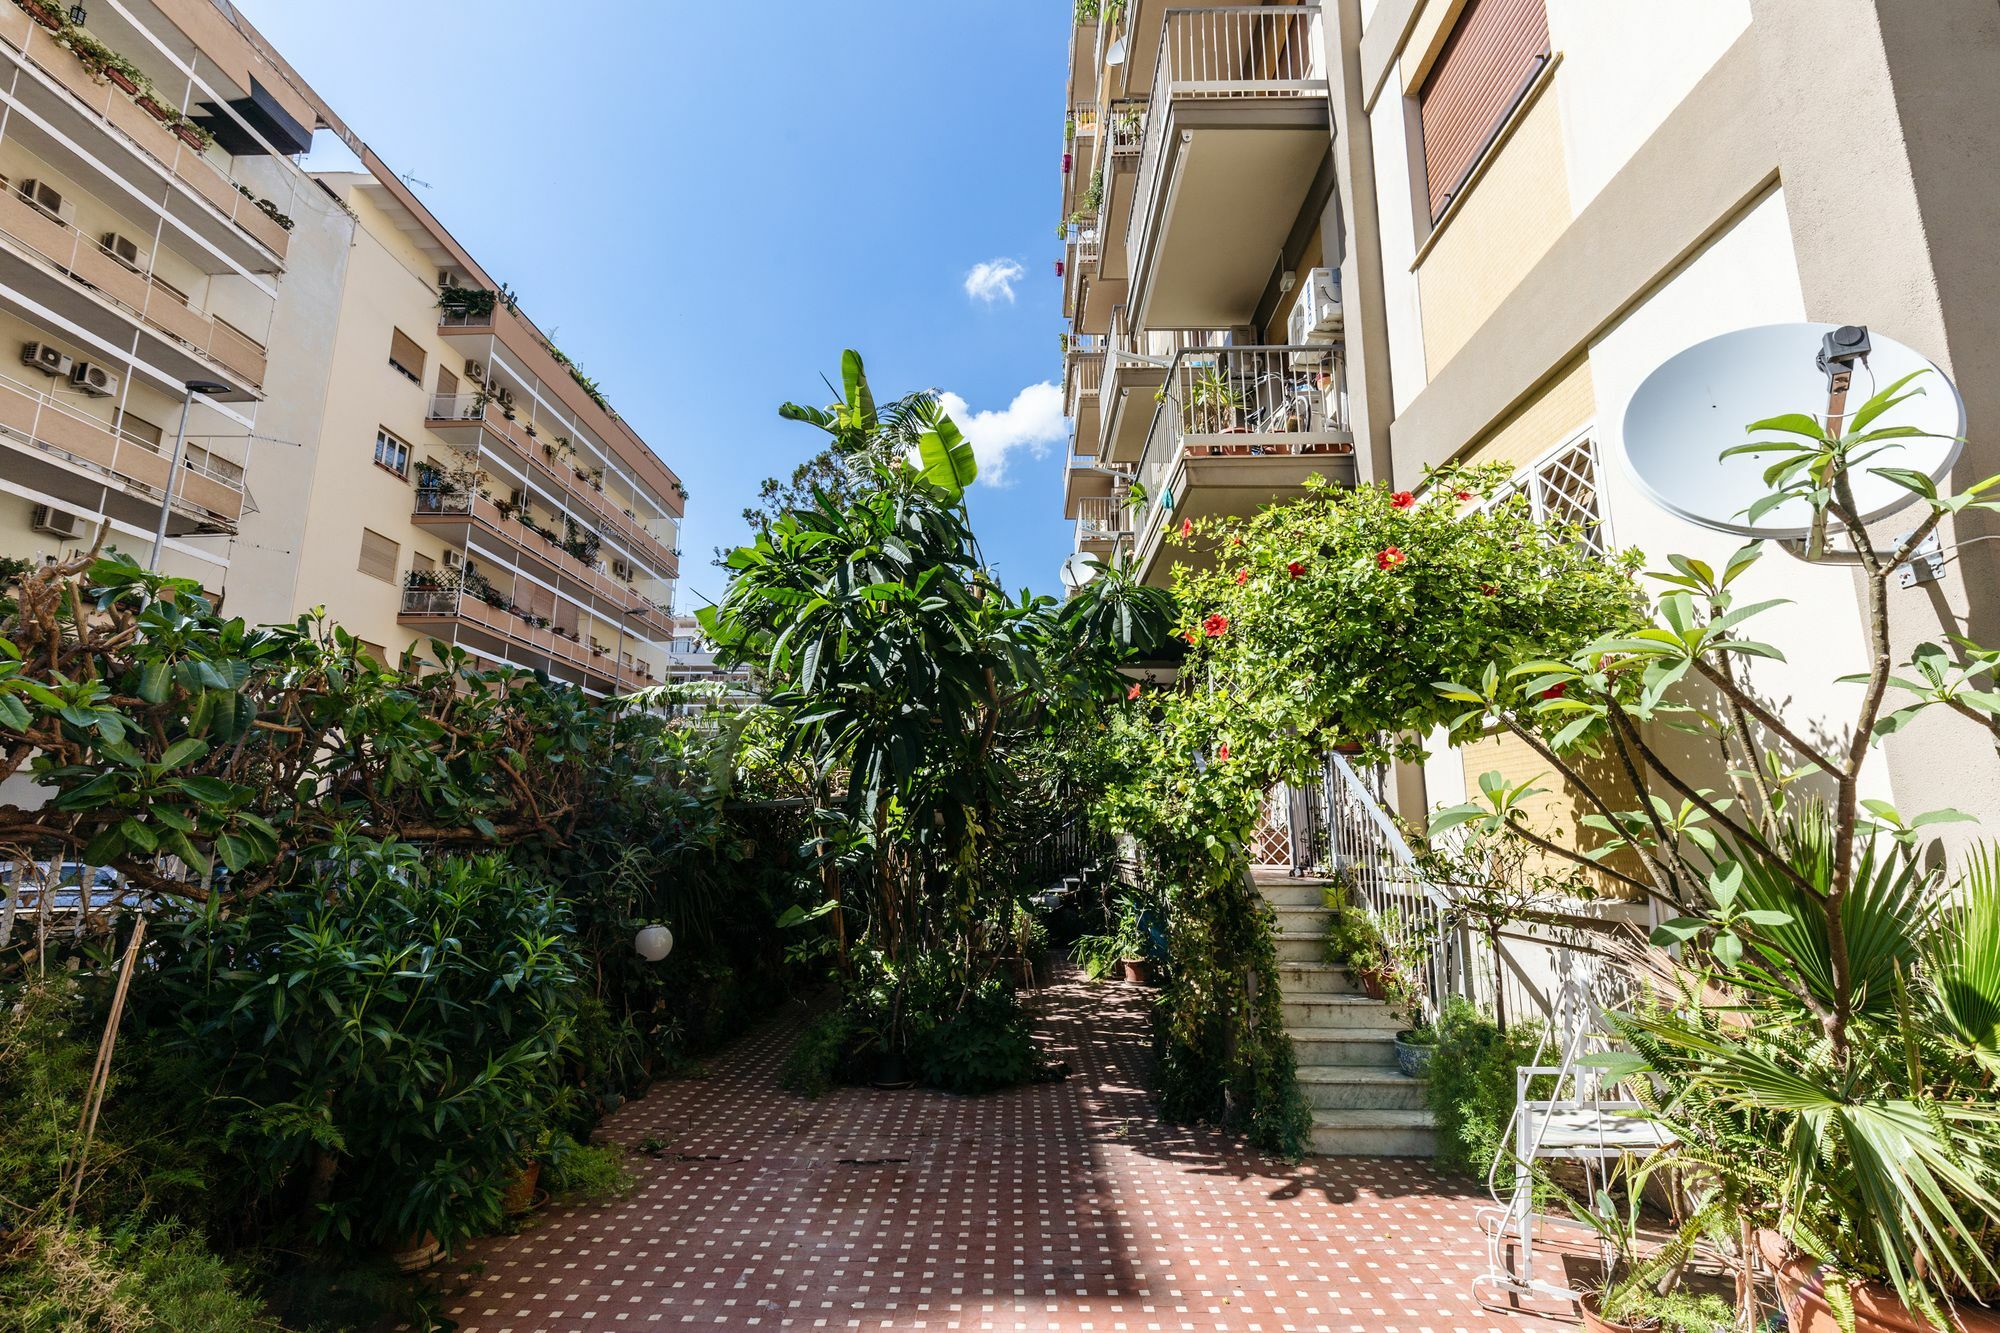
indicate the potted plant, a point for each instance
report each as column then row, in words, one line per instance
column 154, row 108
column 1212, row 404
column 1355, row 942
column 49, row 16
column 1641, row 1291
column 1125, row 949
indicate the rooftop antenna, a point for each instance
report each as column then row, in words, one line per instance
column 408, row 179
column 1701, row 400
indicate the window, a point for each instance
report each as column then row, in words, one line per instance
column 378, row 556
column 1485, row 68
column 406, row 356
column 447, row 392
column 392, row 453
column 1562, row 487
column 374, row 652
column 418, row 560
column 143, row 432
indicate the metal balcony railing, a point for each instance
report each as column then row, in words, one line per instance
column 1101, row 517
column 1226, row 54
column 1222, row 402
column 1084, row 374
column 431, row 601
column 1128, row 128
column 1083, row 240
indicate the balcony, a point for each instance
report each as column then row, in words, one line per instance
column 1124, row 138
column 1079, row 154
column 470, row 422
column 1083, row 63
column 487, row 336
column 1083, row 373
column 1237, row 428
column 89, row 123
column 49, row 262
column 1236, row 134
column 1102, row 525
column 458, row 612
column 53, row 449
column 1135, row 368
column 466, row 517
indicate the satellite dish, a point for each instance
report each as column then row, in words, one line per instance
column 1699, row 403
column 1078, row 570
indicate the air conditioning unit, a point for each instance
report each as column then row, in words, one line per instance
column 93, row 379
column 453, row 559
column 56, row 522
column 49, row 360
column 125, row 250
column 49, row 199
column 621, row 570
column 1316, row 314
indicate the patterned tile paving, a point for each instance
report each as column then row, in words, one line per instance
column 1065, row 1206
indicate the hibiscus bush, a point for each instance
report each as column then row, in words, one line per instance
column 1324, row 620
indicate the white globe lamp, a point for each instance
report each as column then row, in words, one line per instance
column 653, row 942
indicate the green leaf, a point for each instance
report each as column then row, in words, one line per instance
column 948, row 462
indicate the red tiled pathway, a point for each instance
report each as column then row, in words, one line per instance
column 1062, row 1206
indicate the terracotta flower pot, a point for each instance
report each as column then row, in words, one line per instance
column 1138, row 971
column 153, row 109
column 520, row 1195
column 45, row 15
column 188, row 135
column 123, row 82
column 1876, row 1307
column 1373, row 981
column 1596, row 1322
column 415, row 1254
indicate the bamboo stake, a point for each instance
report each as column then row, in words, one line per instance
column 100, row 1075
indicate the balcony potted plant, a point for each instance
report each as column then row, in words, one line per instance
column 48, row 15
column 1212, row 404
column 153, row 107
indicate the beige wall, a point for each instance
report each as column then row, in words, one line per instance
column 1507, row 217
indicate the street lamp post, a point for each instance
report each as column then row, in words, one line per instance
column 194, row 387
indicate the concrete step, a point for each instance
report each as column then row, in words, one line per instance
column 1360, row 1088
column 1302, row 981
column 1368, row 1133
column 1302, row 920
column 1303, row 947
column 1294, row 893
column 1344, row 1012
column 1343, row 1047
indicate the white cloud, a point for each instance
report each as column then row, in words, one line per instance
column 994, row 279
column 1034, row 421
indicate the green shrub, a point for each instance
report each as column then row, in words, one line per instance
column 818, row 1053
column 386, row 1035
column 983, row 1045
column 160, row 1278
column 588, row 1173
column 1471, row 1087
column 1678, row 1311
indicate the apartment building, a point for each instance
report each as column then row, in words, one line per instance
column 366, row 422
column 465, row 485
column 149, row 216
column 1202, row 361
column 1528, row 205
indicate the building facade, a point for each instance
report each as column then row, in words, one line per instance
column 1528, row 205
column 372, row 426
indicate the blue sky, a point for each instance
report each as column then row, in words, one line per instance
column 769, row 184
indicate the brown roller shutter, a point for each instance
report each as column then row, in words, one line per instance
column 405, row 355
column 378, row 556
column 1494, row 51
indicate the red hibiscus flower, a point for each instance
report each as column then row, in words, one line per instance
column 1223, row 753
column 1463, row 496
column 1215, row 626
column 1187, row 528
column 1242, row 577
column 1295, row 569
column 1191, row 637
column 1557, row 690
column 1489, row 590
column 1403, row 499
column 1389, row 557
column 1133, row 693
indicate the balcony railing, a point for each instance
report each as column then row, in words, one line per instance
column 1084, row 373
column 50, row 426
column 122, row 116
column 82, row 259
column 559, row 478
column 1103, row 517
column 1227, row 54
column 443, row 597
column 1084, row 242
column 1128, row 128
column 1244, row 402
